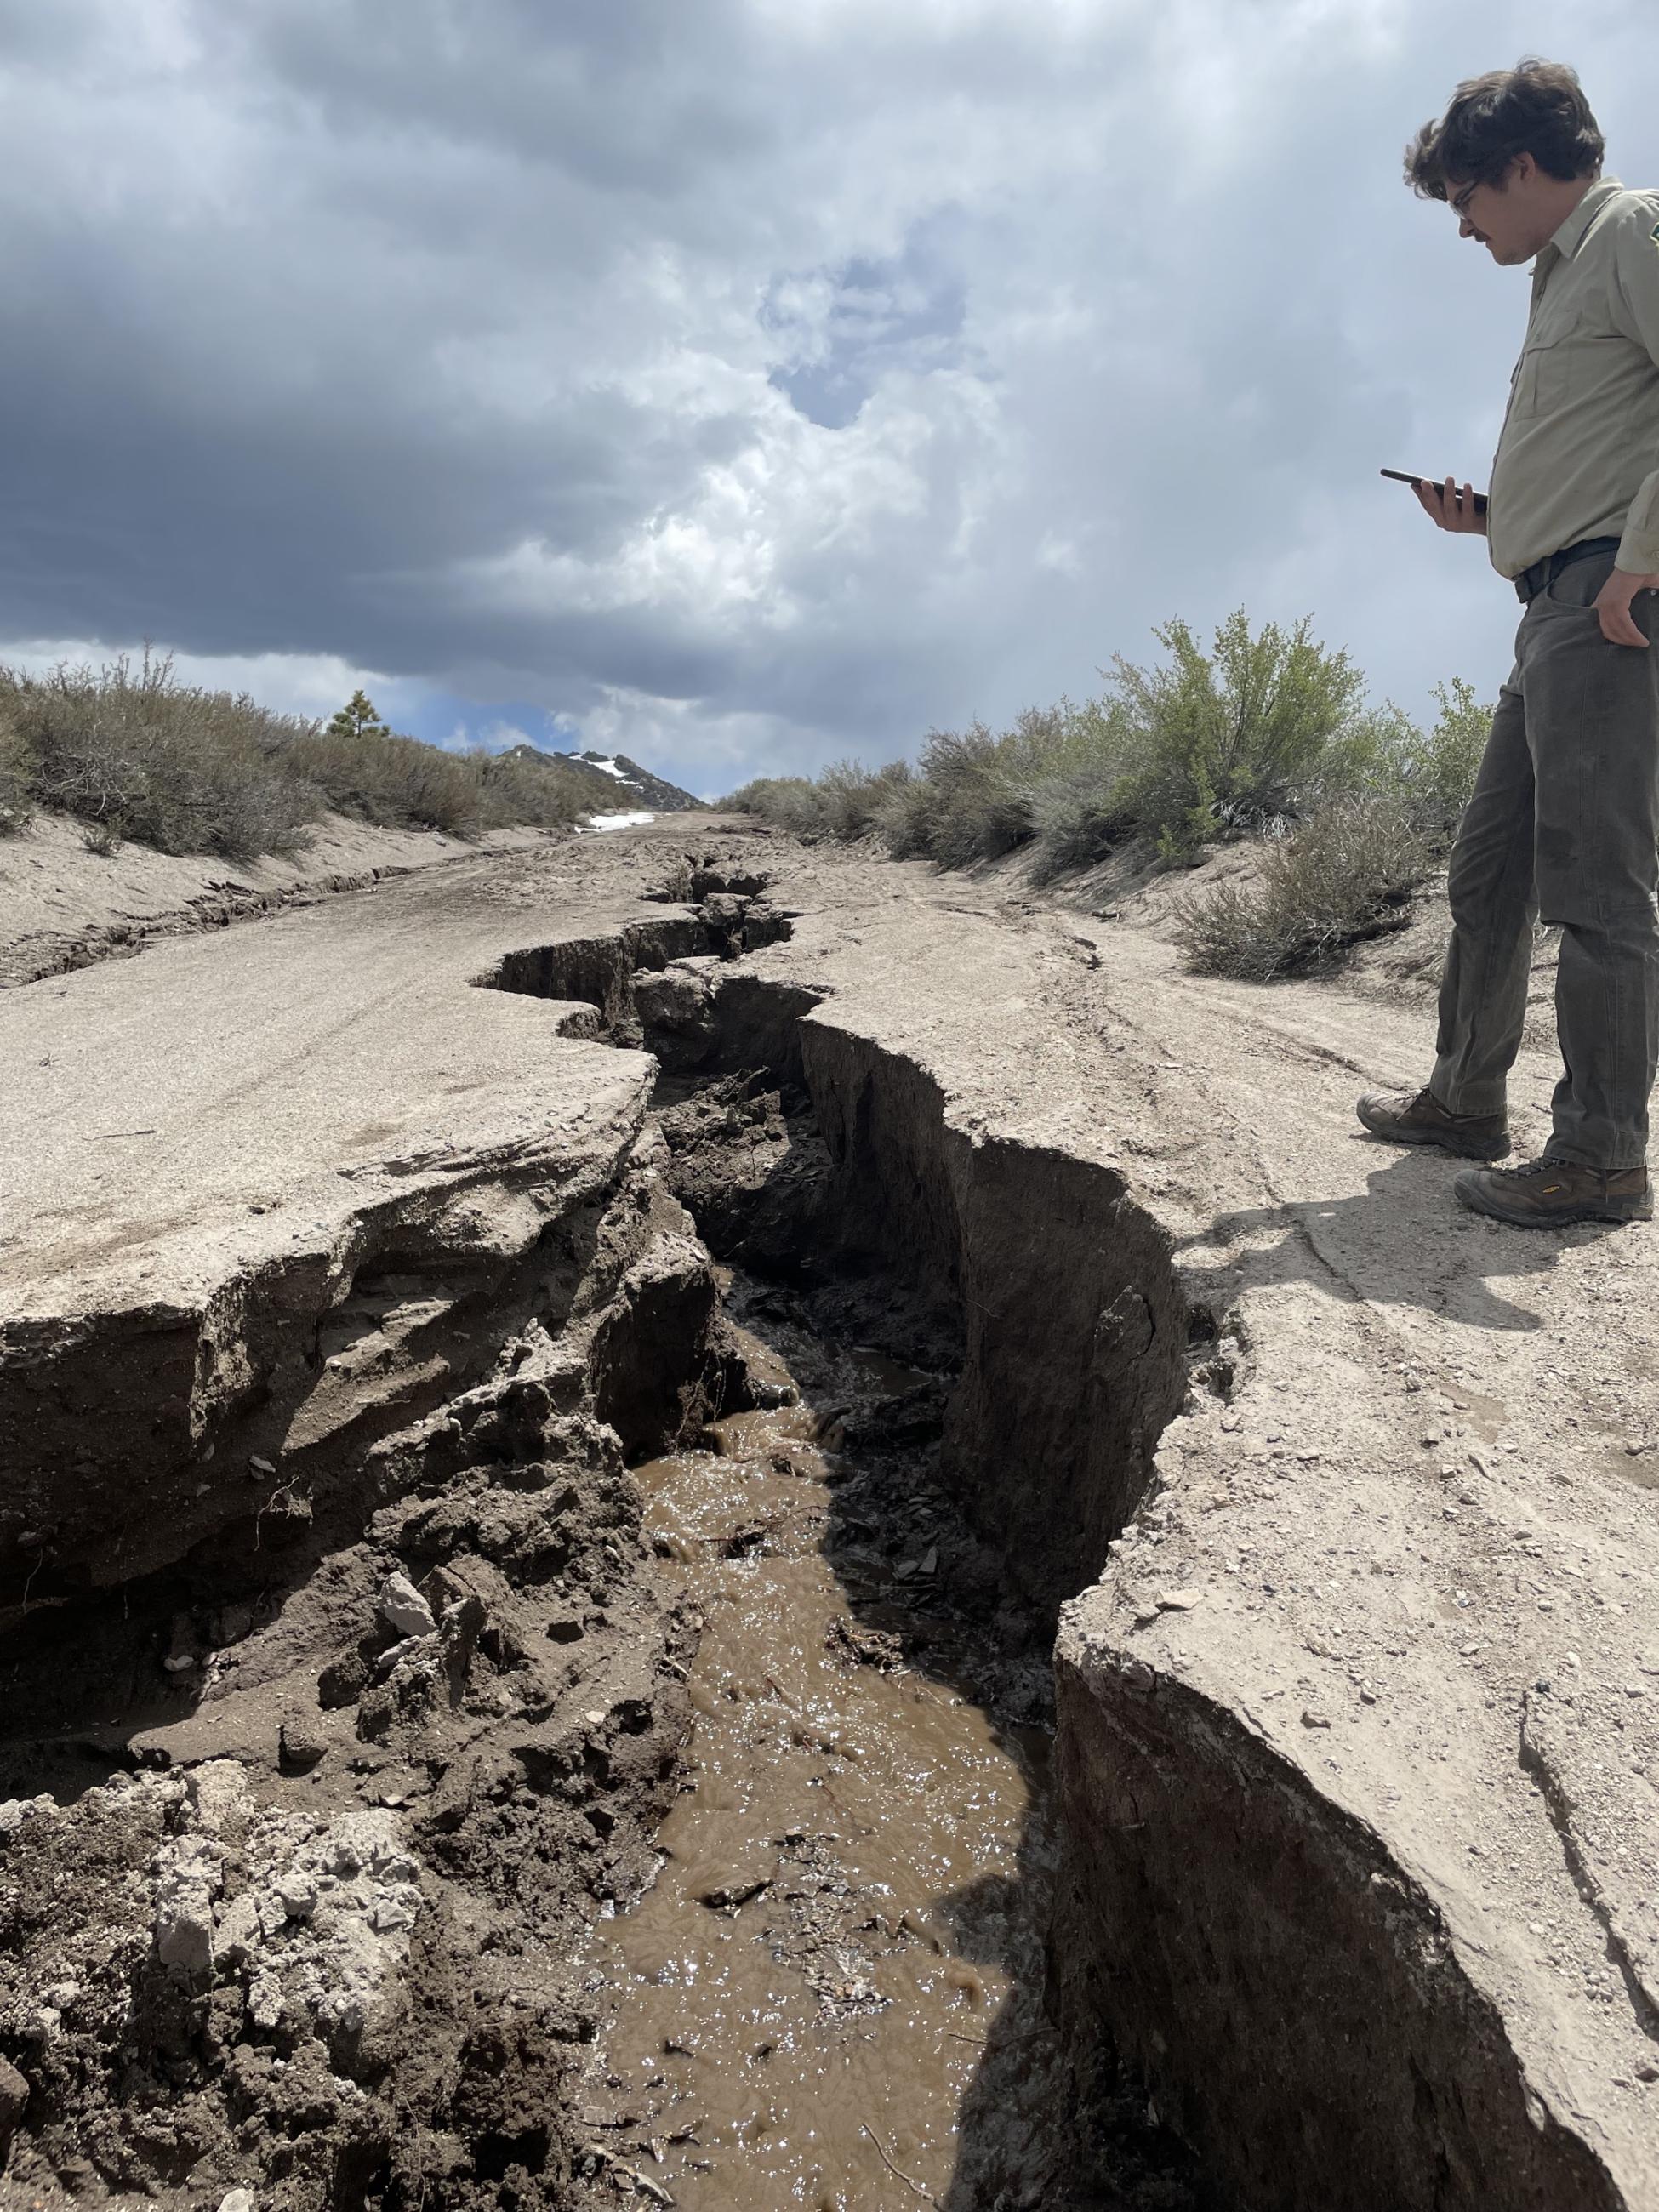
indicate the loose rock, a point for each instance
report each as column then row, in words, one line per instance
column 402, row 1606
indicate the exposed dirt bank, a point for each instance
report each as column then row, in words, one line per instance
column 329, row 1728
column 1164, row 1906
column 394, row 1742
column 1358, row 1845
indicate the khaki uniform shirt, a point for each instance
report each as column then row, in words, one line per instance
column 1579, row 456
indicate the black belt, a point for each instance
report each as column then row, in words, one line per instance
column 1542, row 573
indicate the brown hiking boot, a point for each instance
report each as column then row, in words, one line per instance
column 1550, row 1194
column 1416, row 1117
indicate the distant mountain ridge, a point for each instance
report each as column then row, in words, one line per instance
column 611, row 783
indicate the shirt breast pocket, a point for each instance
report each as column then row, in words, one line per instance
column 1543, row 379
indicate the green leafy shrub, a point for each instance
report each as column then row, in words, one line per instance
column 1344, row 874
column 1433, row 770
column 1346, row 871
column 1082, row 803
column 1218, row 744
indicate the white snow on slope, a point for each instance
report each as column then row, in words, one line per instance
column 616, row 821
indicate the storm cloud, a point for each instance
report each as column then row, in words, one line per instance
column 744, row 382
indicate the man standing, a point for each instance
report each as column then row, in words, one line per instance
column 1564, row 816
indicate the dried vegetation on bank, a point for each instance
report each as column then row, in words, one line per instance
column 133, row 755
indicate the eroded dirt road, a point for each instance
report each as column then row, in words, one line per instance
column 1350, row 1497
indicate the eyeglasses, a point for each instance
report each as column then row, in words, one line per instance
column 1459, row 202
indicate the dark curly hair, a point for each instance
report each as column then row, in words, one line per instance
column 1537, row 107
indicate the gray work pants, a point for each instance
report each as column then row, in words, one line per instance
column 1564, row 823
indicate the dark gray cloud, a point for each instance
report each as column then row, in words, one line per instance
column 745, row 383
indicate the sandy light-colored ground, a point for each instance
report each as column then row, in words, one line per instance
column 1416, row 1549
column 64, row 906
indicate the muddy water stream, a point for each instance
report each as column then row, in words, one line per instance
column 831, row 1997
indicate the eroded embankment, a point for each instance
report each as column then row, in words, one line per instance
column 831, row 2008
column 337, row 1704
column 1288, row 1987
column 803, row 1145
column 309, row 1820
column 391, row 1712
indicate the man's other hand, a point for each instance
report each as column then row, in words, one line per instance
column 1612, row 606
column 1450, row 510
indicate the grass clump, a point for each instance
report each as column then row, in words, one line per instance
column 134, row 755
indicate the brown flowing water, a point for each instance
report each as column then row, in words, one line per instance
column 831, row 1997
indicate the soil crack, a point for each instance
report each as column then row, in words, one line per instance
column 1537, row 1764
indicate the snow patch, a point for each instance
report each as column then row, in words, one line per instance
column 617, row 821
